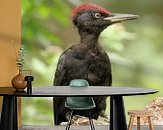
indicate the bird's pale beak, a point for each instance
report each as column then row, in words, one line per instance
column 115, row 18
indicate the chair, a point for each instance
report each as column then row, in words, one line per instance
column 139, row 114
column 80, row 103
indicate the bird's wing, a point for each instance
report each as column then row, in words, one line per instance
column 60, row 72
column 109, row 79
column 60, row 79
column 62, row 69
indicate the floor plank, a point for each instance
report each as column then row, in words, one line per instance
column 99, row 127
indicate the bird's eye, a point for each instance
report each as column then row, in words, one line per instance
column 96, row 15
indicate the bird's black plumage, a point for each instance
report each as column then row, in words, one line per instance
column 82, row 62
column 85, row 60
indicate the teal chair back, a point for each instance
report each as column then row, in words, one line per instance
column 80, row 103
column 79, row 83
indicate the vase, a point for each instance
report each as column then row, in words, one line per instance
column 18, row 82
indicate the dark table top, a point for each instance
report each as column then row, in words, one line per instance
column 61, row 91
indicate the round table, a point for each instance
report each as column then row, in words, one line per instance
column 117, row 110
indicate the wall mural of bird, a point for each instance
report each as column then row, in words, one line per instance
column 87, row 59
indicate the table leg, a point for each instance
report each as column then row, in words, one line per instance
column 117, row 113
column 55, row 112
column 9, row 113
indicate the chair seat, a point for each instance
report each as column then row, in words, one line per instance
column 140, row 112
column 80, row 103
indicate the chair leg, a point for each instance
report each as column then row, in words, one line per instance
column 91, row 121
column 131, row 122
column 69, row 122
column 151, row 127
column 138, row 123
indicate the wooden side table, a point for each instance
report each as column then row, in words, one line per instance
column 139, row 114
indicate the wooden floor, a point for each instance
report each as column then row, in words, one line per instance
column 99, row 127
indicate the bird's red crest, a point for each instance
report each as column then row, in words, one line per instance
column 88, row 6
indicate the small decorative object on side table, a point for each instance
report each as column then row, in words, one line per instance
column 18, row 81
